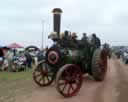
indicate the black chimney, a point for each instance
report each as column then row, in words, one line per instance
column 57, row 20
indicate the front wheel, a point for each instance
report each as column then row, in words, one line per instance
column 43, row 75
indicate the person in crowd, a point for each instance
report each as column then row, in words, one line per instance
column 85, row 46
column 8, row 54
column 98, row 42
column 66, row 35
column 74, row 41
column 28, row 59
column 35, row 59
column 69, row 36
column 1, row 58
column 22, row 57
column 5, row 65
column 40, row 55
column 84, row 37
column 61, row 36
column 63, row 39
column 1, row 52
column 74, row 36
column 14, row 52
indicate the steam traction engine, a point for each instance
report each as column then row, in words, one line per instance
column 67, row 60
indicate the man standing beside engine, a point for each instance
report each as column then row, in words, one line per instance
column 85, row 45
column 96, row 41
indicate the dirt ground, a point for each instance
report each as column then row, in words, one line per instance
column 113, row 89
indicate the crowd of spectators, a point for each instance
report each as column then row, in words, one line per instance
column 10, row 59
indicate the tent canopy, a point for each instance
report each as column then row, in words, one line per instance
column 15, row 45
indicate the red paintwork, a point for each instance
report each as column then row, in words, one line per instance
column 56, row 55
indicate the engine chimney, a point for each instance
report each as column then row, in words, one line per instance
column 57, row 20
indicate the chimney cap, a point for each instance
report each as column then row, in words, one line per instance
column 57, row 10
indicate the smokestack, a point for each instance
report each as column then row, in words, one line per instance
column 57, row 20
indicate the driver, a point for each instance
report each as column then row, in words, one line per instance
column 74, row 41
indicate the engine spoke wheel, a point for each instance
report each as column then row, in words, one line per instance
column 43, row 75
column 69, row 80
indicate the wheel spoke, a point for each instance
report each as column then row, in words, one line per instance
column 74, row 74
column 45, row 69
column 38, row 70
column 72, row 87
column 42, row 66
column 64, row 87
column 77, row 77
column 43, row 77
column 47, row 78
column 66, row 72
column 50, row 74
column 70, row 71
column 40, row 79
column 69, row 89
column 76, row 82
column 62, row 83
column 37, row 75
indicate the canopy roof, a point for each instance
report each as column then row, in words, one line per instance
column 15, row 45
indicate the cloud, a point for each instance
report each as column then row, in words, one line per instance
column 22, row 20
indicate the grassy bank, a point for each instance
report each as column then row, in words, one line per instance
column 13, row 84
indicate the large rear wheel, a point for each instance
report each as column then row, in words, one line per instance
column 99, row 64
column 69, row 80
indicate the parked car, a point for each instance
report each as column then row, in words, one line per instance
column 125, row 57
column 119, row 51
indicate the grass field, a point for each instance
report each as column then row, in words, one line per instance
column 13, row 84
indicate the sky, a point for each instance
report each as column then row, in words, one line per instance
column 23, row 21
